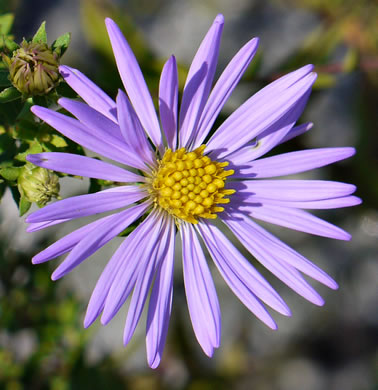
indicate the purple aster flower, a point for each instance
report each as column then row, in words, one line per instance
column 185, row 176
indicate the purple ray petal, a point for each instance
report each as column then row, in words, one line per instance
column 271, row 137
column 97, row 141
column 223, row 89
column 196, row 92
column 33, row 227
column 297, row 131
column 149, row 264
column 200, row 292
column 168, row 98
column 298, row 220
column 132, row 130
column 265, row 108
column 334, row 203
column 293, row 162
column 98, row 237
column 222, row 251
column 84, row 205
column 293, row 190
column 66, row 243
column 140, row 246
column 248, row 275
column 123, row 260
column 270, row 258
column 159, row 308
column 89, row 92
column 74, row 164
column 243, row 227
column 133, row 82
column 92, row 119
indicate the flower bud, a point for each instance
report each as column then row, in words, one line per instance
column 38, row 184
column 33, row 68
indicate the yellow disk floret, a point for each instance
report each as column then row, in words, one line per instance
column 189, row 185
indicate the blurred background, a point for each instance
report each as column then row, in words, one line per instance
column 42, row 342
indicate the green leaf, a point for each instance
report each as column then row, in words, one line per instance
column 6, row 22
column 60, row 45
column 24, row 205
column 35, row 147
column 10, row 173
column 58, row 141
column 25, row 112
column 9, row 94
column 4, row 80
column 40, row 36
column 11, row 45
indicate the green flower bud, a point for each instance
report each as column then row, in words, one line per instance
column 33, row 68
column 38, row 184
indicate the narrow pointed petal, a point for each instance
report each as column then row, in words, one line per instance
column 249, row 276
column 271, row 137
column 34, row 227
column 168, row 99
column 237, row 131
column 200, row 292
column 134, row 83
column 98, row 237
column 124, row 260
column 294, row 190
column 159, row 308
column 196, row 89
column 299, row 220
column 97, row 142
column 138, row 247
column 223, row 89
column 66, row 243
column 74, row 164
column 132, row 130
column 292, row 162
column 89, row 91
column 222, row 253
column 248, row 204
column 297, row 131
column 92, row 118
column 84, row 205
column 269, row 258
column 151, row 263
column 243, row 227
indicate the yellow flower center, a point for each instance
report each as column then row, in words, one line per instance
column 189, row 185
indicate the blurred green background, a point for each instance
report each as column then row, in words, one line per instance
column 42, row 342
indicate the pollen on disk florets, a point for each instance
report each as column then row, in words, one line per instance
column 189, row 185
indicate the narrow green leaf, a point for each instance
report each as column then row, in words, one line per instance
column 9, row 94
column 24, row 206
column 40, row 36
column 10, row 173
column 6, row 22
column 60, row 45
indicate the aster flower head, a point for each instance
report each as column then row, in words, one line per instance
column 191, row 176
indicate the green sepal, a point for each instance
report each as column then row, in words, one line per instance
column 60, row 45
column 4, row 78
column 40, row 36
column 9, row 94
column 6, row 22
column 10, row 173
column 23, row 206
